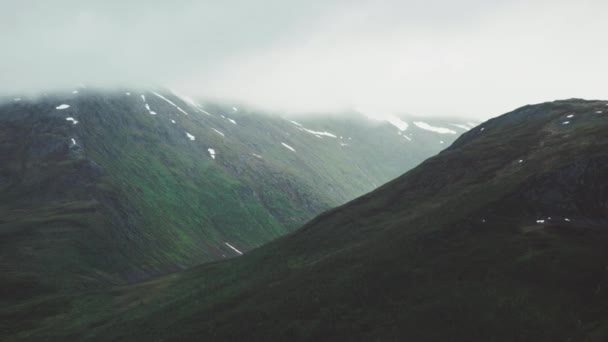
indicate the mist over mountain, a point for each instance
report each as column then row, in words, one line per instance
column 438, row 58
column 109, row 187
column 502, row 234
column 281, row 170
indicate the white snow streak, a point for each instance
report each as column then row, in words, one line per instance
column 440, row 130
column 287, row 146
column 318, row 134
column 63, row 106
column 465, row 127
column 236, row 250
column 397, row 122
column 169, row 102
column 218, row 132
column 74, row 121
column 211, row 152
column 190, row 136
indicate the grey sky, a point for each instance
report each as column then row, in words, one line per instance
column 434, row 57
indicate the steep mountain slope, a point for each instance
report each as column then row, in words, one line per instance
column 101, row 187
column 501, row 237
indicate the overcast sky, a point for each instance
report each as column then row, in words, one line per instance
column 432, row 57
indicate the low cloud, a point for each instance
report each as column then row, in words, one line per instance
column 436, row 58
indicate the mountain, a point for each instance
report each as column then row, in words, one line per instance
column 109, row 187
column 500, row 237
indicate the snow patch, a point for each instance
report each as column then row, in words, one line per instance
column 440, row 130
column 406, row 137
column 73, row 141
column 169, row 102
column 397, row 122
column 465, row 127
column 203, row 111
column 63, row 106
column 186, row 99
column 234, row 249
column 257, row 155
column 190, row 136
column 172, row 121
column 289, row 147
column 143, row 98
column 374, row 114
column 598, row 112
column 74, row 121
column 232, row 121
column 211, row 152
column 17, row 99
column 540, row 221
column 234, row 109
column 128, row 94
column 566, row 123
column 218, row 132
column 318, row 134
column 570, row 116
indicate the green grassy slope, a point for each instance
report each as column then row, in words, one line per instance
column 132, row 196
column 501, row 237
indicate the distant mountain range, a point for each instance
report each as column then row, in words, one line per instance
column 100, row 188
column 500, row 237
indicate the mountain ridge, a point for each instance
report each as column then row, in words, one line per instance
column 471, row 244
column 111, row 187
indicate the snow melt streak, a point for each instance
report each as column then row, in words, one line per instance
column 234, row 249
column 289, row 147
column 440, row 130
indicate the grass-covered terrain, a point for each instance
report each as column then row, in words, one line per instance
column 139, row 187
column 501, row 237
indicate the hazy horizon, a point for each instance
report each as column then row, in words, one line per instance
column 473, row 59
